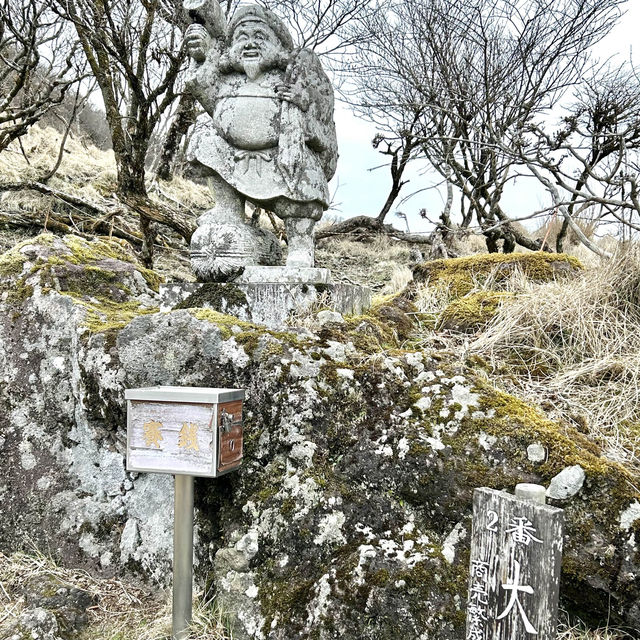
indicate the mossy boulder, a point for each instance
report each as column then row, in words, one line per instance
column 101, row 275
column 351, row 514
column 461, row 275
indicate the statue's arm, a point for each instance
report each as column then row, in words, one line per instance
column 203, row 41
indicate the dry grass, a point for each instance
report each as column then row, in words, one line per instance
column 579, row 631
column 577, row 345
column 85, row 171
column 587, row 220
column 380, row 262
column 122, row 611
column 400, row 277
column 307, row 318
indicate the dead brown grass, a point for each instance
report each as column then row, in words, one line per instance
column 579, row 631
column 122, row 611
column 577, row 345
column 85, row 171
column 379, row 262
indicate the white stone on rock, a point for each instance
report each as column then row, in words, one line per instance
column 330, row 529
column 463, row 396
column 567, row 483
column 252, row 591
column 105, row 559
column 486, row 441
column 27, row 459
column 303, row 452
column 403, row 448
column 43, row 483
column 630, row 515
column 248, row 544
column 536, row 452
column 129, row 540
column 458, row 533
column 423, row 403
column 329, row 317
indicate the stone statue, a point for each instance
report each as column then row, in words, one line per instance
column 267, row 136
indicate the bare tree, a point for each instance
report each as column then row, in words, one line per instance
column 593, row 157
column 37, row 65
column 400, row 151
column 324, row 26
column 133, row 48
column 479, row 72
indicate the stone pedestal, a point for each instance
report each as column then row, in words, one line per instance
column 268, row 295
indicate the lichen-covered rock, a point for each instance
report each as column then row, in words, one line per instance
column 33, row 624
column 62, row 482
column 67, row 604
column 350, row 516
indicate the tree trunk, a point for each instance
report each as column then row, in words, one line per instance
column 398, row 165
column 131, row 187
column 185, row 117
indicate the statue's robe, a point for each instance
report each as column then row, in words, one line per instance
column 261, row 145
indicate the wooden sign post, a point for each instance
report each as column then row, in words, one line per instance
column 186, row 431
column 514, row 577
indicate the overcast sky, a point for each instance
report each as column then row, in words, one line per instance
column 360, row 191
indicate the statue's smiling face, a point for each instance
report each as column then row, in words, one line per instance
column 255, row 42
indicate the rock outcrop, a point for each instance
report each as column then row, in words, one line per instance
column 350, row 517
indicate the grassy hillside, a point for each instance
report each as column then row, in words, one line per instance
column 568, row 343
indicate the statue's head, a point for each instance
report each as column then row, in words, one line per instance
column 257, row 40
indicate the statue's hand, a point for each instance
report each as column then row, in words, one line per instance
column 293, row 93
column 197, row 42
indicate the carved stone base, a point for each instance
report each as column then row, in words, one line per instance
column 285, row 275
column 266, row 303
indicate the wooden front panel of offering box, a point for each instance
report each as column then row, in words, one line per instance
column 230, row 435
column 170, row 437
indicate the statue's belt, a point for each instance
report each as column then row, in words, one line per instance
column 247, row 156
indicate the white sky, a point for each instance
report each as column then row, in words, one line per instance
column 359, row 191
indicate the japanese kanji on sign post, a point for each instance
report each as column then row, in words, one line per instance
column 516, row 551
column 186, row 431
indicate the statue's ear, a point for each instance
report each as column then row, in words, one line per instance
column 284, row 58
column 224, row 63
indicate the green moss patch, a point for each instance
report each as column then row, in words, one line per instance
column 385, row 326
column 515, row 419
column 461, row 275
column 96, row 274
column 216, row 296
column 104, row 314
column 248, row 334
column 88, row 252
column 473, row 311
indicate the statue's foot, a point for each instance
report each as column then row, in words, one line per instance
column 300, row 242
column 220, row 252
